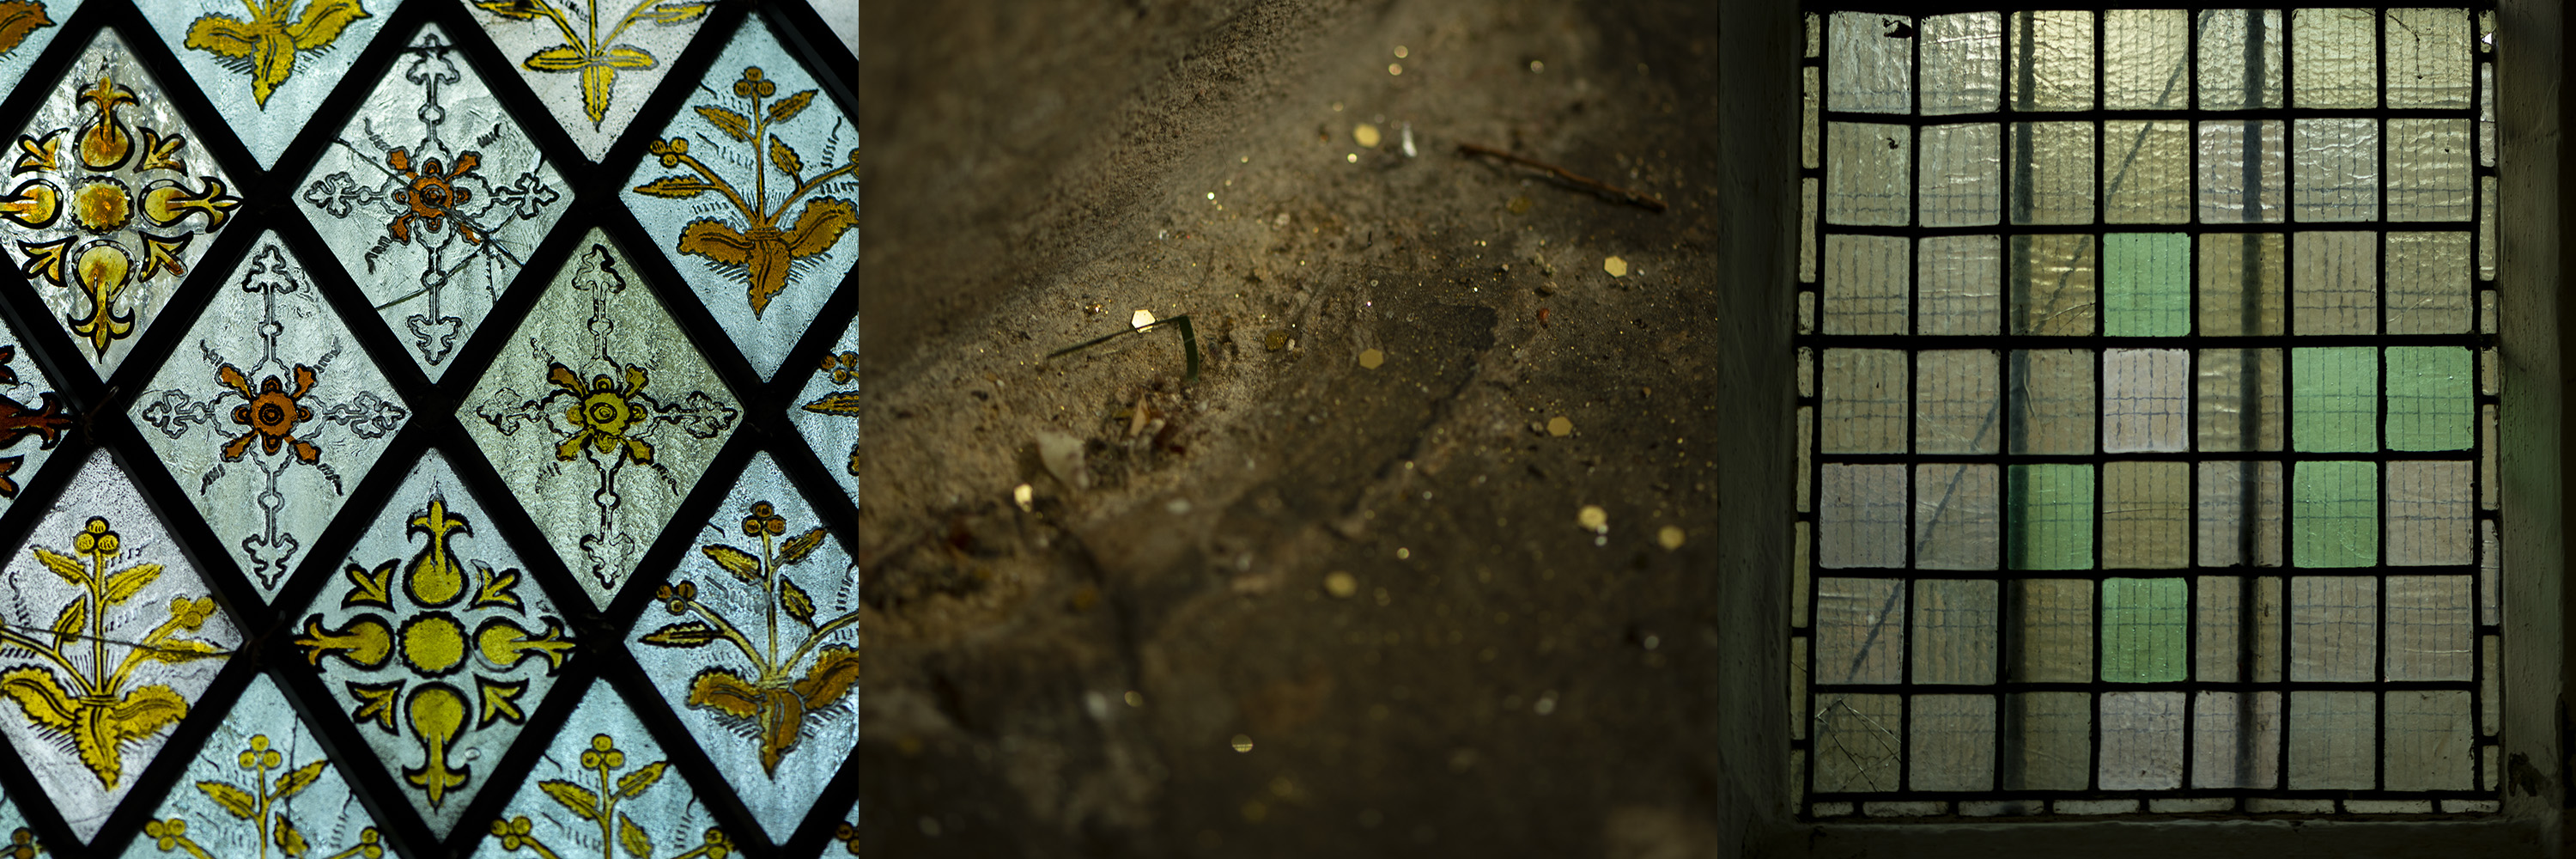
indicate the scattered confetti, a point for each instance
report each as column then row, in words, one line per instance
column 1615, row 266
column 1142, row 318
column 1593, row 518
column 1671, row 537
column 1371, row 358
column 1341, row 585
column 1242, row 743
column 1366, row 134
column 1560, row 427
column 1023, row 496
column 1399, row 52
column 1395, row 68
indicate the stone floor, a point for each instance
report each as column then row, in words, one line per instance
column 1421, row 561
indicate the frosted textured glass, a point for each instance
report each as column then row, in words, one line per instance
column 2142, row 735
column 2146, row 284
column 2338, row 282
column 2239, row 397
column 2334, row 403
column 2051, row 506
column 1865, row 284
column 273, row 416
column 2229, row 191
column 100, row 538
column 2333, row 740
column 2428, row 628
column 2053, row 282
column 2051, row 623
column 599, row 414
column 2052, row 400
column 2051, row 57
column 1954, row 631
column 2428, row 283
column 1959, row 285
column 267, row 103
column 2236, row 740
column 761, row 217
column 2146, row 57
column 2146, row 515
column 796, row 581
column 2428, row 58
column 1958, row 402
column 2334, row 514
column 2334, row 56
column 2055, row 161
column 2428, row 170
column 2241, row 282
column 1870, row 65
column 2052, row 750
column 2336, row 165
column 2240, row 58
column 2146, row 172
column 2144, row 625
column 2334, row 628
column 1959, row 175
column 638, row 39
column 430, row 197
column 1857, row 745
column 2428, row 740
column 2145, row 398
column 1870, row 181
column 1956, row 511
column 477, row 637
column 1862, row 516
column 1954, row 742
column 2429, row 513
column 1865, row 401
column 1962, row 61
column 2224, row 535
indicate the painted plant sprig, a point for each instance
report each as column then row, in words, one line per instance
column 267, row 43
column 585, row 50
column 756, row 246
column 102, row 712
column 774, row 699
column 262, row 804
column 616, row 830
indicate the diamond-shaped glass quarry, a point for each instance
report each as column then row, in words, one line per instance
column 600, row 415
column 753, row 194
column 109, row 201
column 110, row 636
column 260, row 786
column 270, row 414
column 267, row 65
column 604, row 781
column 756, row 639
column 431, row 197
column 591, row 61
column 435, row 641
column 827, row 411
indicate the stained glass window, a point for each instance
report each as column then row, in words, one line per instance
column 429, row 427
column 2146, row 391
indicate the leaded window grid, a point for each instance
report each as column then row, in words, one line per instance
column 1813, row 342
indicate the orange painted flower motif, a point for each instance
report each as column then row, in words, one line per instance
column 432, row 194
column 271, row 414
column 602, row 413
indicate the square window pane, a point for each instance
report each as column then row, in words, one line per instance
column 1961, row 280
column 1958, row 401
column 2145, row 393
column 1957, row 511
column 1959, row 167
column 2049, row 516
column 2143, row 628
column 2147, row 284
column 1955, row 621
column 1963, row 62
column 2334, row 398
column 1865, row 284
column 2334, row 514
column 1862, row 520
column 2146, row 515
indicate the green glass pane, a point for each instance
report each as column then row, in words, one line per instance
column 2334, row 401
column 2428, row 398
column 2334, row 514
column 2142, row 629
column 2051, row 510
column 2147, row 280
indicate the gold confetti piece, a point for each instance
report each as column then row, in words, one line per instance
column 1395, row 68
column 1560, row 427
column 1593, row 518
column 1366, row 134
column 1134, row 699
column 1142, row 318
column 1399, row 52
column 1352, row 158
column 1023, row 495
column 1518, row 205
column 1615, row 266
column 1242, row 743
column 1371, row 358
column 1671, row 537
column 1341, row 584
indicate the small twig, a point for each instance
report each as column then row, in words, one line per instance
column 1611, row 191
column 1189, row 342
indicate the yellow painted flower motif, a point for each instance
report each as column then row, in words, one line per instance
column 774, row 698
column 603, row 413
column 596, row 56
column 756, row 245
column 599, row 804
column 269, row 41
